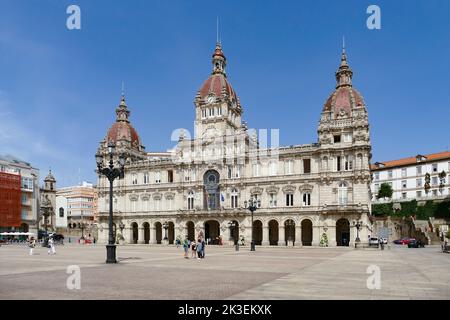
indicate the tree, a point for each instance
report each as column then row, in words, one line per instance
column 442, row 176
column 385, row 191
column 427, row 185
column 382, row 209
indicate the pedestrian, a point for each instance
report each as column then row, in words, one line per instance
column 31, row 244
column 193, row 249
column 186, row 248
column 51, row 246
column 203, row 248
column 199, row 249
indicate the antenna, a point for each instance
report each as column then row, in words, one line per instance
column 217, row 30
column 123, row 89
column 343, row 43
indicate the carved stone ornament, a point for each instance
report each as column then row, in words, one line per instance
column 145, row 196
column 169, row 195
column 306, row 187
column 134, row 197
column 272, row 190
column 288, row 189
column 256, row 190
column 157, row 196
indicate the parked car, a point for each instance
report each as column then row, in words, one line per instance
column 373, row 241
column 403, row 240
column 384, row 240
column 413, row 243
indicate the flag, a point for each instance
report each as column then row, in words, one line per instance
column 222, row 197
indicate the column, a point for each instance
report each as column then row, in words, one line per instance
column 152, row 234
column 128, row 231
column 316, row 236
column 265, row 238
column 141, row 239
column 281, row 238
column 332, row 241
column 298, row 236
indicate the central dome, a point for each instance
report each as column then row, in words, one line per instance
column 217, row 84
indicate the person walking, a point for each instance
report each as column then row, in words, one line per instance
column 193, row 249
column 31, row 244
column 186, row 248
column 199, row 249
column 203, row 248
column 51, row 246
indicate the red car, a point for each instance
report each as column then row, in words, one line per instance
column 404, row 240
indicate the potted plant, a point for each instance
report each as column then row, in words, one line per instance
column 120, row 239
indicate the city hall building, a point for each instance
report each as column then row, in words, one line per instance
column 306, row 195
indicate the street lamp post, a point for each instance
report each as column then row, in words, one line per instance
column 233, row 226
column 358, row 224
column 166, row 226
column 111, row 173
column 252, row 206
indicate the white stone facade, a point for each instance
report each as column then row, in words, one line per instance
column 307, row 194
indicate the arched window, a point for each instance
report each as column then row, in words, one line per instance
column 234, row 198
column 342, row 194
column 349, row 163
column 191, row 200
column 325, row 164
column 61, row 212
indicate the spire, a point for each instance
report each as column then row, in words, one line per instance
column 218, row 58
column 344, row 74
column 122, row 111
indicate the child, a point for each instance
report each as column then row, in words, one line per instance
column 31, row 244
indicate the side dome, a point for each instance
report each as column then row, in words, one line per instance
column 122, row 130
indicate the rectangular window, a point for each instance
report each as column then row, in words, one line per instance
column 347, row 137
column 307, row 199
column 419, row 183
column 272, row 200
column 158, row 177
column 376, row 176
column 435, row 167
column 146, row 178
column 403, row 195
column 404, row 173
column 418, row 170
column 434, row 181
column 306, row 165
column 289, row 200
column 418, row 194
column 289, row 167
column 273, row 168
column 170, row 176
column 237, row 171
column 256, row 170
column 337, row 138
column 134, row 178
column 338, row 163
column 434, row 193
column 404, row 184
column 230, row 172
column 349, row 163
column 390, row 174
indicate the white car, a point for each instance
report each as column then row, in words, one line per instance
column 373, row 241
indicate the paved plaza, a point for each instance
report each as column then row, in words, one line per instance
column 161, row 272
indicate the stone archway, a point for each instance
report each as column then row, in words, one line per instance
column 307, row 232
column 171, row 233
column 146, row 226
column 343, row 232
column 273, row 232
column 190, row 230
column 289, row 231
column 135, row 232
column 258, row 232
column 212, row 231
column 158, row 231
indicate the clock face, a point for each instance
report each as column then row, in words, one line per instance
column 210, row 99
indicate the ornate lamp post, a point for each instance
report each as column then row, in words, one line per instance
column 358, row 224
column 166, row 226
column 252, row 205
column 233, row 226
column 111, row 173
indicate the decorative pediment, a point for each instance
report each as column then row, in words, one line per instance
column 169, row 195
column 306, row 187
column 256, row 190
column 288, row 189
column 134, row 197
column 272, row 190
column 157, row 196
column 145, row 196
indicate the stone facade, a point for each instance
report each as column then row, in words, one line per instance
column 306, row 194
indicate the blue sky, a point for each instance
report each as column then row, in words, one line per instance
column 59, row 88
